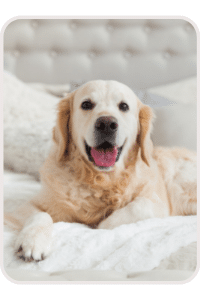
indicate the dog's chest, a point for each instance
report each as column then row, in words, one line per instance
column 92, row 203
column 95, row 198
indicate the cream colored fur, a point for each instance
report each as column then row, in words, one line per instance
column 146, row 182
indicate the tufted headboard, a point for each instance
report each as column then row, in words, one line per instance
column 141, row 53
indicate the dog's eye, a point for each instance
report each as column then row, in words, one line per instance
column 123, row 106
column 87, row 105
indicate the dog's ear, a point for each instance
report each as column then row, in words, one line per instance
column 145, row 126
column 62, row 130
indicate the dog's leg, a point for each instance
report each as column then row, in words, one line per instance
column 34, row 240
column 34, row 231
column 183, row 190
column 139, row 209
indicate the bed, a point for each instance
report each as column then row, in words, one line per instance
column 37, row 76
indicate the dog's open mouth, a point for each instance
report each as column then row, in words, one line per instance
column 105, row 155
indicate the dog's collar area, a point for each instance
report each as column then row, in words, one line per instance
column 104, row 155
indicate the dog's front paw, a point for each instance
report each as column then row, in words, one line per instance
column 34, row 241
column 110, row 223
column 118, row 217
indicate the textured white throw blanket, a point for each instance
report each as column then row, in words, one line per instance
column 129, row 248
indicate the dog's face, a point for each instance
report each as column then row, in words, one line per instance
column 104, row 119
column 104, row 122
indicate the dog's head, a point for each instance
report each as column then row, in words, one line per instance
column 104, row 120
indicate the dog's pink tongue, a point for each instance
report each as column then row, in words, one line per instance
column 104, row 159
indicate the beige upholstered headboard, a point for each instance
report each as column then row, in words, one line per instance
column 141, row 53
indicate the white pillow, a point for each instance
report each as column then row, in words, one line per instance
column 175, row 107
column 29, row 116
column 183, row 91
column 176, row 125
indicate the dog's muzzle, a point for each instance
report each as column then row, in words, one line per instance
column 106, row 153
column 105, row 130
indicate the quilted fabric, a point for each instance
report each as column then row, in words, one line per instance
column 138, row 52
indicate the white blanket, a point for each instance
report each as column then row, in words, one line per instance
column 129, row 248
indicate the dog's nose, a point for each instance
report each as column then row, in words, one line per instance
column 106, row 124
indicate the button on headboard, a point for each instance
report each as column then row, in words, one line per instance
column 138, row 52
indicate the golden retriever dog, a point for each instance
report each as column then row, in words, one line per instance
column 103, row 170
